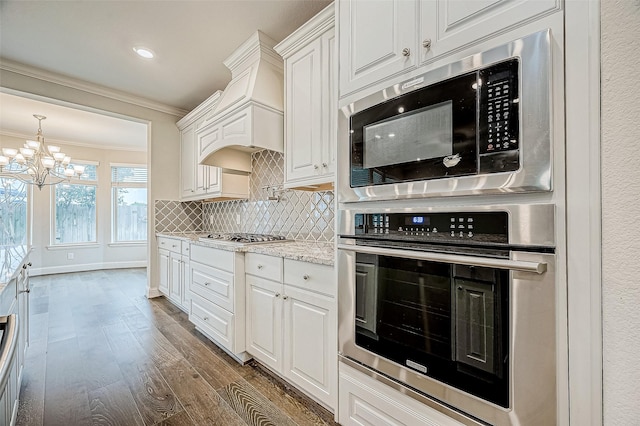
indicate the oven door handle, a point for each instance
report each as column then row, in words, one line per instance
column 485, row 262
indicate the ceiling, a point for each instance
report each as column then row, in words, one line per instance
column 92, row 41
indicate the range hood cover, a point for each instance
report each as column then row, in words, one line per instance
column 249, row 115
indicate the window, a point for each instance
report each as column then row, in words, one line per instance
column 13, row 212
column 129, row 192
column 75, row 209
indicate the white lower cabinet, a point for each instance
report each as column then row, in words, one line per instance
column 217, row 297
column 173, row 260
column 291, row 322
column 367, row 402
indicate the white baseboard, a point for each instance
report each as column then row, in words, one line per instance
column 34, row 272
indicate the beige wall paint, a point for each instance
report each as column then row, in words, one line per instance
column 48, row 259
column 620, row 22
column 163, row 148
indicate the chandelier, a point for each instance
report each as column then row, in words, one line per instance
column 38, row 164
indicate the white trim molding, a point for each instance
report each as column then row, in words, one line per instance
column 584, row 204
column 35, row 272
column 95, row 89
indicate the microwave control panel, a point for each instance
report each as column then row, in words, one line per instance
column 430, row 227
column 499, row 108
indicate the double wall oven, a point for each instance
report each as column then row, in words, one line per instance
column 442, row 292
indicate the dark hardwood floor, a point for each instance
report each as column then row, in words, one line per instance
column 101, row 353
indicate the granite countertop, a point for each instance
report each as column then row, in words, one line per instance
column 12, row 258
column 306, row 251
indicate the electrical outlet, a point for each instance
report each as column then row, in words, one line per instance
column 70, row 256
column 238, row 219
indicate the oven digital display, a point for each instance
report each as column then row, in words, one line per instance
column 417, row 220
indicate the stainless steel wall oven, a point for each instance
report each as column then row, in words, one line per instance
column 458, row 305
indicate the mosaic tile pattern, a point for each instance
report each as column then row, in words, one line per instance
column 299, row 215
column 174, row 216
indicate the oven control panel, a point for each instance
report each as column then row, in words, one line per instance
column 424, row 227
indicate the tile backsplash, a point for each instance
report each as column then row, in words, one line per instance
column 299, row 215
column 176, row 216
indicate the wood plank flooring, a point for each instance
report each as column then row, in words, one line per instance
column 101, row 353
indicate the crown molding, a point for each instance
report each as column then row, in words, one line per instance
column 28, row 71
column 51, row 141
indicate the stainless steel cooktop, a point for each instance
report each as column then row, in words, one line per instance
column 244, row 238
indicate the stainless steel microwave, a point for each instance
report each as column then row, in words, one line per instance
column 481, row 125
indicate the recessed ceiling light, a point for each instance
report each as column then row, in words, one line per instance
column 144, row 52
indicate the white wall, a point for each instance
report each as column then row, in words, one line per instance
column 620, row 22
column 48, row 259
column 163, row 148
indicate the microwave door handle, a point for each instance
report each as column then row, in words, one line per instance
column 485, row 262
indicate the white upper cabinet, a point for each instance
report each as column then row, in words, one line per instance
column 384, row 38
column 451, row 25
column 200, row 181
column 377, row 40
column 310, row 102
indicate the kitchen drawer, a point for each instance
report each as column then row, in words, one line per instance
column 213, row 284
column 171, row 244
column 263, row 266
column 216, row 258
column 213, row 320
column 310, row 276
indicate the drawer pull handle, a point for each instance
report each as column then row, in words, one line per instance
column 306, row 277
column 277, row 294
column 260, row 266
column 285, row 297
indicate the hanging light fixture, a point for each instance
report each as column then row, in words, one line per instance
column 38, row 164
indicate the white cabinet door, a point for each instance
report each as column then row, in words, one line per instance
column 163, row 262
column 176, row 272
column 377, row 40
column 187, row 156
column 303, row 130
column 213, row 179
column 264, row 321
column 185, row 299
column 450, row 25
column 310, row 354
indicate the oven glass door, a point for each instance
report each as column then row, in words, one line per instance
column 446, row 321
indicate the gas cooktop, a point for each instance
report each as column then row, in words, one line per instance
column 244, row 238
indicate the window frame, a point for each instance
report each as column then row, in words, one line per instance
column 114, row 202
column 53, row 197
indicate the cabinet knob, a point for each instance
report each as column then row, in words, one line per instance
column 260, row 266
column 206, row 318
column 162, row 243
column 25, row 291
column 277, row 294
column 207, row 283
column 24, row 266
column 29, row 264
column 305, row 277
column 173, row 245
column 315, row 166
column 406, row 52
column 426, row 43
column 285, row 297
column 325, row 165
